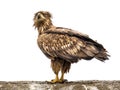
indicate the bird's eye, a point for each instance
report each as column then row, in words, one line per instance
column 38, row 17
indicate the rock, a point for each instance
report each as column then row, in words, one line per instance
column 76, row 85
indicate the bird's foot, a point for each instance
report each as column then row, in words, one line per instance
column 63, row 80
column 58, row 81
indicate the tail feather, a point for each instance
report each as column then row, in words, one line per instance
column 91, row 51
column 102, row 56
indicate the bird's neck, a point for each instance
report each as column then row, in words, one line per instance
column 44, row 26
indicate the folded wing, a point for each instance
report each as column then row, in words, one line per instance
column 69, row 45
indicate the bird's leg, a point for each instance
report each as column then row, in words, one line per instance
column 65, row 68
column 56, row 68
column 57, row 80
column 62, row 77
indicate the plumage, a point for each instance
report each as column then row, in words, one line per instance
column 65, row 46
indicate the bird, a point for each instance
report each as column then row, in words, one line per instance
column 65, row 46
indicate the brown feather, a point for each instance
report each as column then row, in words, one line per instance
column 65, row 46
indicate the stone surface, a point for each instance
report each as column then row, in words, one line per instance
column 76, row 85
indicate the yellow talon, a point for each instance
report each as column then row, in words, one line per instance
column 57, row 80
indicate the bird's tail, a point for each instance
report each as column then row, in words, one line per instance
column 102, row 56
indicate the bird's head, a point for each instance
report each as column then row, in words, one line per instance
column 42, row 18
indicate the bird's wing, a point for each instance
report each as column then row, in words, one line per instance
column 70, row 32
column 65, row 46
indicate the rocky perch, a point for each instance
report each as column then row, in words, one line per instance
column 73, row 85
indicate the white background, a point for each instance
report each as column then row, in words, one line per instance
column 20, row 57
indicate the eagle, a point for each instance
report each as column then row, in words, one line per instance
column 64, row 46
